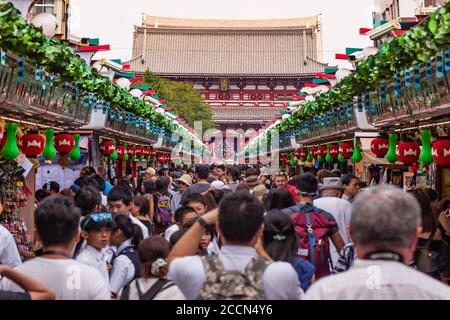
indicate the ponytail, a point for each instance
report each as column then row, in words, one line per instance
column 130, row 230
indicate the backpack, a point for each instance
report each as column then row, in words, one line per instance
column 131, row 253
column 312, row 229
column 233, row 285
column 163, row 209
column 157, row 287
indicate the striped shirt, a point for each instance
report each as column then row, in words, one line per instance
column 378, row 280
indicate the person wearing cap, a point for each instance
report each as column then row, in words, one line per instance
column 96, row 230
column 150, row 174
column 217, row 185
column 340, row 209
column 252, row 182
column 183, row 183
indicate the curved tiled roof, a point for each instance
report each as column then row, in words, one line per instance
column 227, row 48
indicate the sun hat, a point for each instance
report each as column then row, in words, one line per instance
column 331, row 183
column 186, row 179
column 252, row 181
column 219, row 185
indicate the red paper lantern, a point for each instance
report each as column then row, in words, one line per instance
column 408, row 152
column 441, row 151
column 322, row 152
column 414, row 168
column 139, row 151
column 152, row 153
column 314, row 152
column 64, row 143
column 380, row 147
column 303, row 153
column 131, row 151
column 146, row 152
column 346, row 150
column 107, row 147
column 297, row 153
column 32, row 144
column 334, row 151
column 121, row 152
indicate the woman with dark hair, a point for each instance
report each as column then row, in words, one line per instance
column 126, row 266
column 429, row 242
column 281, row 244
column 152, row 285
column 163, row 205
column 281, row 199
column 140, row 209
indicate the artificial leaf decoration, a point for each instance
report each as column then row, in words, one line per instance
column 391, row 156
column 11, row 150
column 309, row 157
column 49, row 152
column 426, row 156
column 328, row 157
column 357, row 156
column 75, row 154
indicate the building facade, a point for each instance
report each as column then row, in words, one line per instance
column 246, row 70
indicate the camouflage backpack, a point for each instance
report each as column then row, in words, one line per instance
column 233, row 285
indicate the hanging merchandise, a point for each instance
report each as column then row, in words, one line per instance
column 49, row 152
column 314, row 152
column 328, row 157
column 298, row 153
column 441, row 151
column 121, row 152
column 408, row 152
column 75, row 154
column 309, row 157
column 391, row 156
column 107, row 147
column 303, row 154
column 145, row 153
column 131, row 151
column 139, row 153
column 32, row 144
column 346, row 150
column 426, row 156
column 11, row 151
column 379, row 146
column 333, row 151
column 322, row 152
column 357, row 156
column 152, row 154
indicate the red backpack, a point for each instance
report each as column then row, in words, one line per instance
column 313, row 230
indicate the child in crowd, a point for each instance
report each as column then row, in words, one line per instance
column 196, row 201
column 126, row 266
column 96, row 230
column 153, row 284
column 182, row 215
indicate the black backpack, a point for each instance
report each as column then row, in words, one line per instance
column 157, row 287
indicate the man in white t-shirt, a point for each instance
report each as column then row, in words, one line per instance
column 57, row 227
column 339, row 208
column 240, row 221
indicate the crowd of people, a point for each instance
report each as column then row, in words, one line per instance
column 217, row 232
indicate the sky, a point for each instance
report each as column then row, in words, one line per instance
column 113, row 21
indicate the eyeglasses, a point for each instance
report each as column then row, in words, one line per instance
column 98, row 217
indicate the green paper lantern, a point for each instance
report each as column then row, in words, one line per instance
column 126, row 157
column 11, row 150
column 426, row 156
column 391, row 156
column 292, row 161
column 328, row 157
column 357, row 156
column 49, row 152
column 113, row 156
column 341, row 158
column 75, row 154
column 309, row 157
column 135, row 158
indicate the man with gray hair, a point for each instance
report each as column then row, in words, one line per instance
column 384, row 227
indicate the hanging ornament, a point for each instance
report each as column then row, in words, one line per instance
column 145, row 153
column 75, row 154
column 11, row 150
column 126, row 157
column 303, row 154
column 322, row 152
column 107, row 147
column 309, row 157
column 32, row 144
column 441, row 151
column 341, row 158
column 379, row 146
column 131, row 150
column 408, row 152
column 426, row 156
column 64, row 143
column 346, row 150
column 413, row 168
column 357, row 156
column 114, row 156
column 121, row 152
column 49, row 152
column 139, row 152
column 297, row 153
column 333, row 150
column 328, row 157
column 314, row 151
column 391, row 156
column 292, row 160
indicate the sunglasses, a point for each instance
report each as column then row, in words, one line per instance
column 98, row 217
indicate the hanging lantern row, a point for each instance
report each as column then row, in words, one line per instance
column 124, row 152
column 163, row 158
